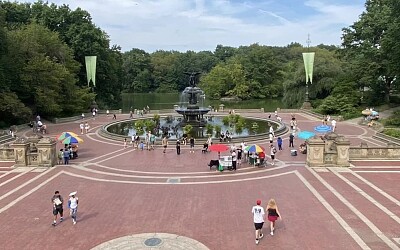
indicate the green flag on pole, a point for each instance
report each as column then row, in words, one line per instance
column 308, row 59
column 91, row 69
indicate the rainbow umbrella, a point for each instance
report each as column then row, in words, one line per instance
column 65, row 135
column 71, row 140
column 254, row 148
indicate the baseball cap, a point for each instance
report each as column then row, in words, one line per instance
column 258, row 202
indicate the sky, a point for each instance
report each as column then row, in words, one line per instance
column 203, row 24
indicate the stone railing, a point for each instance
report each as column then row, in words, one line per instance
column 6, row 153
column 387, row 138
column 374, row 153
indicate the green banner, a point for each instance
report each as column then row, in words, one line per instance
column 308, row 59
column 91, row 69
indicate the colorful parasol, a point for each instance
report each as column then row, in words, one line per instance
column 71, row 140
column 254, row 148
column 65, row 135
column 218, row 148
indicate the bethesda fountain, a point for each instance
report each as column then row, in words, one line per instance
column 192, row 113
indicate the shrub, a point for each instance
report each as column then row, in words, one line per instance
column 392, row 132
column 209, row 129
column 187, row 129
column 392, row 121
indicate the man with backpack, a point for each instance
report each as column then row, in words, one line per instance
column 57, row 202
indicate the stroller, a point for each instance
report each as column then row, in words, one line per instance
column 205, row 148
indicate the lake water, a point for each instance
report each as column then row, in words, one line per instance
column 158, row 101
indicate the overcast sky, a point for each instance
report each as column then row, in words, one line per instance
column 202, row 24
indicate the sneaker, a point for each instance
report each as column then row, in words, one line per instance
column 261, row 236
column 61, row 219
column 54, row 223
column 74, row 222
column 272, row 233
column 257, row 241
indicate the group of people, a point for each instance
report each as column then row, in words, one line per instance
column 259, row 217
column 84, row 127
column 69, row 152
column 58, row 207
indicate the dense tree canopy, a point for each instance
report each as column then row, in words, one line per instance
column 43, row 48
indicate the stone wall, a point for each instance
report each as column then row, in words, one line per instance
column 374, row 153
column 331, row 150
column 36, row 151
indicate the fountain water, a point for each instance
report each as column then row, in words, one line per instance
column 192, row 113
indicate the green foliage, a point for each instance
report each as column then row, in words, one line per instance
column 209, row 129
column 392, row 132
column 392, row 121
column 149, row 124
column 336, row 105
column 139, row 127
column 217, row 129
column 12, row 110
column 156, row 118
column 371, row 49
column 187, row 129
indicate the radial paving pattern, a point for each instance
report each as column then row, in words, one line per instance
column 125, row 194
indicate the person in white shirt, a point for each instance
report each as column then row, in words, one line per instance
column 87, row 127
column 108, row 112
column 82, row 127
column 333, row 125
column 271, row 130
column 73, row 206
column 258, row 218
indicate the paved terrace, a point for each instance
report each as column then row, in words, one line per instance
column 127, row 200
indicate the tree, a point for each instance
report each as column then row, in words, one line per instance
column 362, row 42
column 45, row 68
column 138, row 71
column 227, row 79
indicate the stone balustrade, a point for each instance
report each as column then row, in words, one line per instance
column 374, row 153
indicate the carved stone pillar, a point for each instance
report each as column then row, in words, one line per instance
column 47, row 153
column 315, row 152
column 342, row 146
column 21, row 149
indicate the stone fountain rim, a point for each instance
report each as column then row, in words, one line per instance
column 282, row 129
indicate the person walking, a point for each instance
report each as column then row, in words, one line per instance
column 125, row 143
column 82, row 127
column 273, row 214
column 73, row 206
column 147, row 140
column 178, row 147
column 57, row 202
column 164, row 143
column 191, row 141
column 291, row 139
column 107, row 112
column 333, row 122
column 279, row 141
column 114, row 116
column 258, row 218
column 87, row 127
column 273, row 152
